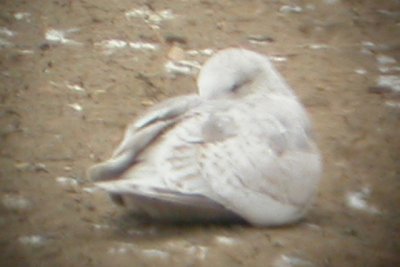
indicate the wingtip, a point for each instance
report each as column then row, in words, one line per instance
column 107, row 186
column 98, row 172
column 92, row 173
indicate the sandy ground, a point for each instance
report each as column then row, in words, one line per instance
column 65, row 100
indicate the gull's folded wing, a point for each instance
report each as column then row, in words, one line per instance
column 140, row 134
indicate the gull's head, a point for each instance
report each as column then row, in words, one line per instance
column 235, row 71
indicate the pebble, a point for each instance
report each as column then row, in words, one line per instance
column 198, row 252
column 360, row 71
column 278, row 58
column 122, row 249
column 150, row 16
column 5, row 43
column 15, row 202
column 176, row 53
column 26, row 166
column 155, row 253
column 90, row 190
column 379, row 89
column 183, row 67
column 260, row 39
column 147, row 102
column 76, row 107
column 358, row 200
column 291, row 261
column 57, row 36
column 278, row 243
column 111, row 45
column 6, row 32
column 203, row 52
column 318, row 46
column 101, row 226
column 68, row 182
column 286, row 9
column 367, row 47
column 75, row 87
column 22, row 16
column 331, row 2
column 385, row 60
column 389, row 14
column 393, row 104
column 33, row 240
column 224, row 240
column 175, row 39
column 389, row 81
column 143, row 46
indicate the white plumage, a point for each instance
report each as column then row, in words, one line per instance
column 242, row 149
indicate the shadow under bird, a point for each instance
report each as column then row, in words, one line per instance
column 240, row 149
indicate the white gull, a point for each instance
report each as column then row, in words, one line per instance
column 242, row 149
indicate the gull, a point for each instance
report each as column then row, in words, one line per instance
column 242, row 149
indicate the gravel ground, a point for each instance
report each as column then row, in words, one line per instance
column 74, row 73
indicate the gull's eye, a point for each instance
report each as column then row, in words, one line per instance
column 236, row 87
column 240, row 84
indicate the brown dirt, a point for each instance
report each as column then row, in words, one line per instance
column 358, row 132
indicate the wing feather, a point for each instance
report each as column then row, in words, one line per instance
column 268, row 170
column 253, row 161
column 141, row 135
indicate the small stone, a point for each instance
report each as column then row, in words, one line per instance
column 155, row 253
column 26, row 166
column 278, row 244
column 360, row 71
column 59, row 37
column 6, row 32
column 199, row 252
column 203, row 52
column 182, row 67
column 40, row 167
column 15, row 202
column 68, row 183
column 67, row 168
column 175, row 39
column 76, row 107
column 358, row 200
column 33, row 240
column 286, row 9
column 260, row 39
column 147, row 102
column 385, row 60
column 392, row 104
column 176, row 53
column 143, row 46
column 350, row 231
column 122, row 249
column 101, row 226
column 291, row 261
column 278, row 58
column 379, row 89
column 22, row 166
column 331, row 2
column 318, row 46
column 44, row 47
column 22, row 15
column 224, row 240
column 90, row 190
column 390, row 81
column 75, row 87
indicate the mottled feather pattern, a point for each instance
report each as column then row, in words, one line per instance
column 243, row 148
